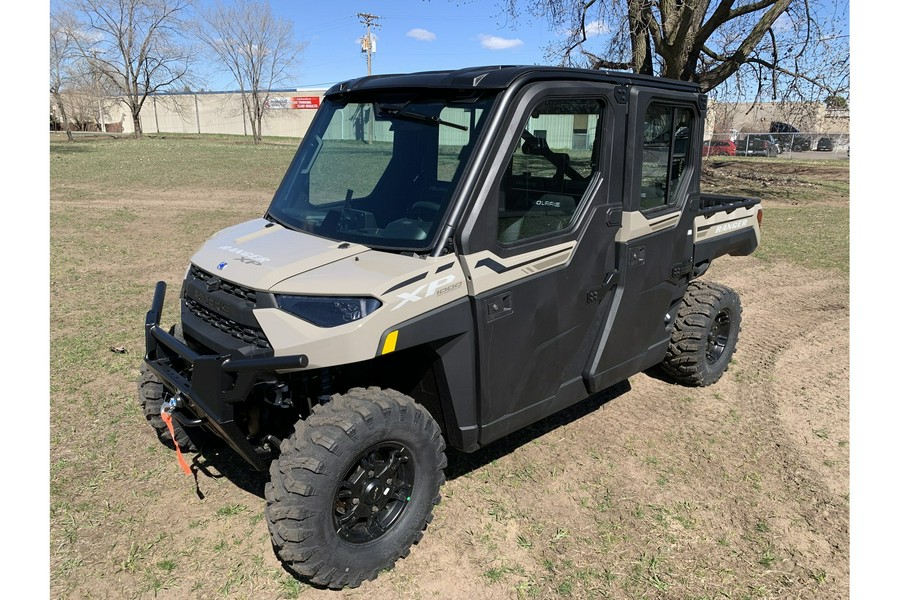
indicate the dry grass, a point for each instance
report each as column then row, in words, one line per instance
column 735, row 491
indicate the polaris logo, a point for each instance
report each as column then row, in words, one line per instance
column 246, row 257
column 730, row 226
column 208, row 300
column 438, row 286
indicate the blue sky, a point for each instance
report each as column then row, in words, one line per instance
column 415, row 35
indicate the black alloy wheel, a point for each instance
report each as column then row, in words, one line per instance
column 355, row 486
column 719, row 334
column 704, row 334
column 373, row 494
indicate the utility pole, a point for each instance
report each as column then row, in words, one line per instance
column 368, row 44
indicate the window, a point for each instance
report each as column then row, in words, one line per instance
column 667, row 139
column 554, row 161
column 380, row 170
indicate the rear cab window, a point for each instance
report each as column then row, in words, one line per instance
column 668, row 131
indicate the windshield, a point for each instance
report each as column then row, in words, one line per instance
column 380, row 170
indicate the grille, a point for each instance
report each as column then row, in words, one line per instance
column 250, row 335
column 225, row 286
column 245, row 333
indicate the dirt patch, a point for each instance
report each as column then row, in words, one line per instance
column 776, row 170
column 779, row 182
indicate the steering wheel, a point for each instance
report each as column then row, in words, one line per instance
column 424, row 210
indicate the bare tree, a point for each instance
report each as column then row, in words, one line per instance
column 787, row 45
column 257, row 48
column 135, row 46
column 63, row 57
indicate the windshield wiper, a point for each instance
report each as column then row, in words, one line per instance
column 413, row 116
column 268, row 217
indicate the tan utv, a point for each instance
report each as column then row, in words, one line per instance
column 451, row 256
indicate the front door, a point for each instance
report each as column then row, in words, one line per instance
column 540, row 257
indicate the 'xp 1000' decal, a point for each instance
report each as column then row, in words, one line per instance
column 435, row 288
column 245, row 256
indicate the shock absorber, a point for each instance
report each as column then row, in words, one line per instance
column 325, row 389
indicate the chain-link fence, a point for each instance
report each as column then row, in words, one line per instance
column 805, row 145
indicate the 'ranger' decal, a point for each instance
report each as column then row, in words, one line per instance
column 246, row 257
column 730, row 226
column 438, row 286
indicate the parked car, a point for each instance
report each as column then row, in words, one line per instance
column 825, row 145
column 719, row 148
column 794, row 142
column 757, row 144
column 802, row 144
column 787, row 137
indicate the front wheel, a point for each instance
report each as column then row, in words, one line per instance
column 151, row 396
column 705, row 334
column 354, row 487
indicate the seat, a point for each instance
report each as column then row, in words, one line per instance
column 550, row 212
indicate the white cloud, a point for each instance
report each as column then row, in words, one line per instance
column 493, row 42
column 592, row 29
column 595, row 28
column 423, row 35
column 783, row 23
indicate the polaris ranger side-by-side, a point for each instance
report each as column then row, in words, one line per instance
column 451, row 256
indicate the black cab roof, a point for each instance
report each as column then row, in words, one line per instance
column 501, row 77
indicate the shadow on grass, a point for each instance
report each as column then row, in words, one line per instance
column 460, row 463
column 217, row 460
column 68, row 148
column 656, row 372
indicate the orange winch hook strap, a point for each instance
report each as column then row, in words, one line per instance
column 167, row 419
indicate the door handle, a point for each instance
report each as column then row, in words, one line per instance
column 499, row 306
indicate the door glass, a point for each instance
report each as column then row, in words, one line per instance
column 555, row 158
column 667, row 137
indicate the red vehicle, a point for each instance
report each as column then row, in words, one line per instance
column 719, row 148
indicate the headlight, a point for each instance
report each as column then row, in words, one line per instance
column 327, row 312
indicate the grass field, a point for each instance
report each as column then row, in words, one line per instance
column 739, row 490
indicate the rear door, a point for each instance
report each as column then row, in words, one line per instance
column 655, row 243
column 539, row 251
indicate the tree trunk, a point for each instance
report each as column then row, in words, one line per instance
column 135, row 103
column 257, row 112
column 254, row 127
column 641, row 56
column 65, row 118
column 248, row 100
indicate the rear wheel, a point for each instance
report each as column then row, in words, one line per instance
column 705, row 334
column 354, row 487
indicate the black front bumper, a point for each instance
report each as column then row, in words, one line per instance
column 209, row 385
